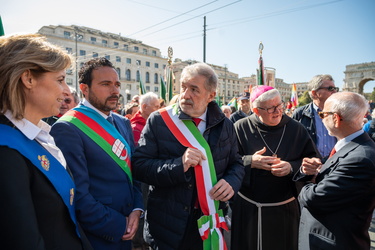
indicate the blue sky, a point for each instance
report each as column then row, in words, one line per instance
column 301, row 38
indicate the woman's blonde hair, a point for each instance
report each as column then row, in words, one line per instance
column 19, row 53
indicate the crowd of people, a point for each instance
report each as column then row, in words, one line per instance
column 88, row 173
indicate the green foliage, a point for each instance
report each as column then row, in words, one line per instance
column 304, row 98
column 372, row 97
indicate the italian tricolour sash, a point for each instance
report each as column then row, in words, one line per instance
column 42, row 159
column 213, row 219
column 104, row 134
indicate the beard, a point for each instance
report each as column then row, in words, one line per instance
column 100, row 105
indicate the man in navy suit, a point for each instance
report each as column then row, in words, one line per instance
column 98, row 144
column 337, row 205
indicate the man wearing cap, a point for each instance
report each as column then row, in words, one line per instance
column 266, row 211
column 321, row 87
column 244, row 109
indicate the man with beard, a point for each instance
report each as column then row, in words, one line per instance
column 98, row 145
column 188, row 153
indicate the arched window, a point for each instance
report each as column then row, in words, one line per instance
column 128, row 75
column 156, row 78
column 147, row 77
column 118, row 72
column 138, row 76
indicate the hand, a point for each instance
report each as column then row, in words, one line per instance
column 132, row 226
column 263, row 162
column 191, row 158
column 311, row 166
column 280, row 169
column 222, row 191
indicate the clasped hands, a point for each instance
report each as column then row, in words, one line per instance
column 270, row 163
column 222, row 191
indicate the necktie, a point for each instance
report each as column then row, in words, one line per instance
column 110, row 119
column 197, row 121
column 332, row 152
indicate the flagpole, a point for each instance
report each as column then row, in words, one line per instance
column 169, row 79
column 261, row 70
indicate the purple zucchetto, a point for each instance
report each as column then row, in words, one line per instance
column 258, row 91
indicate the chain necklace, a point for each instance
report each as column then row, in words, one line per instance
column 274, row 154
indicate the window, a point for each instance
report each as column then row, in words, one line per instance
column 156, row 65
column 105, row 43
column 69, row 81
column 147, row 77
column 138, row 77
column 136, row 49
column 147, row 64
column 93, row 40
column 115, row 44
column 128, row 75
column 145, row 51
column 156, row 78
column 69, row 50
column 126, row 47
column 118, row 59
column 154, row 53
column 66, row 34
column 95, row 55
column 108, row 57
column 82, row 52
column 128, row 60
column 118, row 72
column 138, row 62
column 156, row 89
column 147, row 88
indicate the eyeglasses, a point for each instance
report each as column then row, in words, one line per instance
column 67, row 100
column 273, row 109
column 330, row 88
column 322, row 114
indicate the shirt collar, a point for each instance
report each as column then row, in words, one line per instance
column 86, row 103
column 341, row 143
column 316, row 108
column 29, row 129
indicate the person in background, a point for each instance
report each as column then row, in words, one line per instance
column 265, row 212
column 338, row 203
column 244, row 109
column 37, row 192
column 130, row 109
column 226, row 110
column 71, row 100
column 162, row 103
column 171, row 164
column 148, row 103
column 135, row 99
column 321, row 87
column 99, row 144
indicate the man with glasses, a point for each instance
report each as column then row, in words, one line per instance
column 71, row 99
column 338, row 202
column 321, row 87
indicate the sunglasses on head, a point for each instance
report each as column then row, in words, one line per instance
column 67, row 100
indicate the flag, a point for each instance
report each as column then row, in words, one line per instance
column 169, row 82
column 233, row 102
column 218, row 100
column 142, row 89
column 294, row 97
column 260, row 72
column 1, row 28
column 162, row 90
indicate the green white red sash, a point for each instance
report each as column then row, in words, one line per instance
column 213, row 220
column 42, row 159
column 104, row 134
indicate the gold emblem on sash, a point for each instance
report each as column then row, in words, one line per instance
column 44, row 162
column 71, row 196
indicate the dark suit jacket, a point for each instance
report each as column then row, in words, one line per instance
column 105, row 195
column 337, row 211
column 32, row 213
